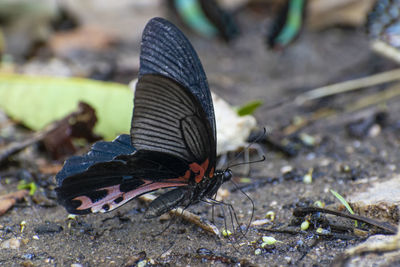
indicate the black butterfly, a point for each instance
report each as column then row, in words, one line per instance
column 172, row 142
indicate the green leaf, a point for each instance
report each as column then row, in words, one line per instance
column 344, row 202
column 37, row 101
column 25, row 185
column 249, row 108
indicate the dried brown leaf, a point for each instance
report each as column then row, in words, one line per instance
column 8, row 201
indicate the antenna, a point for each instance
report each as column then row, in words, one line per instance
column 248, row 162
column 247, row 148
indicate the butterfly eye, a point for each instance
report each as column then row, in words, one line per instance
column 227, row 175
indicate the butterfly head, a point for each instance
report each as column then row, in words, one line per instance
column 226, row 175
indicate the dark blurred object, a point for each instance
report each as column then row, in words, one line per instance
column 288, row 24
column 104, row 70
column 277, row 142
column 384, row 22
column 206, row 17
column 361, row 128
column 26, row 24
column 78, row 124
column 65, row 21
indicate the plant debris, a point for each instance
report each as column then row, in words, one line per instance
column 8, row 201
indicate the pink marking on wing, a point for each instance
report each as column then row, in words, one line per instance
column 147, row 187
column 114, row 192
column 150, row 187
column 86, row 202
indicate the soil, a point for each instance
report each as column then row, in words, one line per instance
column 239, row 72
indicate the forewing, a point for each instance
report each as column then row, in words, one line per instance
column 167, row 118
column 165, row 50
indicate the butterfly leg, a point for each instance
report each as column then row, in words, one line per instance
column 232, row 213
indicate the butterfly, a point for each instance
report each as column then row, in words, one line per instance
column 206, row 17
column 172, row 142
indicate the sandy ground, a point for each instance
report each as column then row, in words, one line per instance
column 241, row 72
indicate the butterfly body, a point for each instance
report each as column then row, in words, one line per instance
column 184, row 197
column 172, row 143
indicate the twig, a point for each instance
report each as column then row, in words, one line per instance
column 16, row 147
column 364, row 102
column 347, row 86
column 373, row 99
column 301, row 212
column 386, row 50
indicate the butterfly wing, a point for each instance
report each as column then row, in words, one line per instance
column 100, row 152
column 168, row 118
column 106, row 185
column 166, row 51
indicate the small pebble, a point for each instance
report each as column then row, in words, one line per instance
column 12, row 243
column 222, row 194
column 28, row 256
column 310, row 156
column 257, row 251
column 260, row 222
column 391, row 167
column 307, row 179
column 345, row 168
column 307, row 139
column 375, row 130
column 76, row 265
column 27, row 264
column 286, row 169
column 324, row 162
column 288, row 259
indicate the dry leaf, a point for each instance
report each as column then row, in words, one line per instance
column 87, row 38
column 8, row 201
